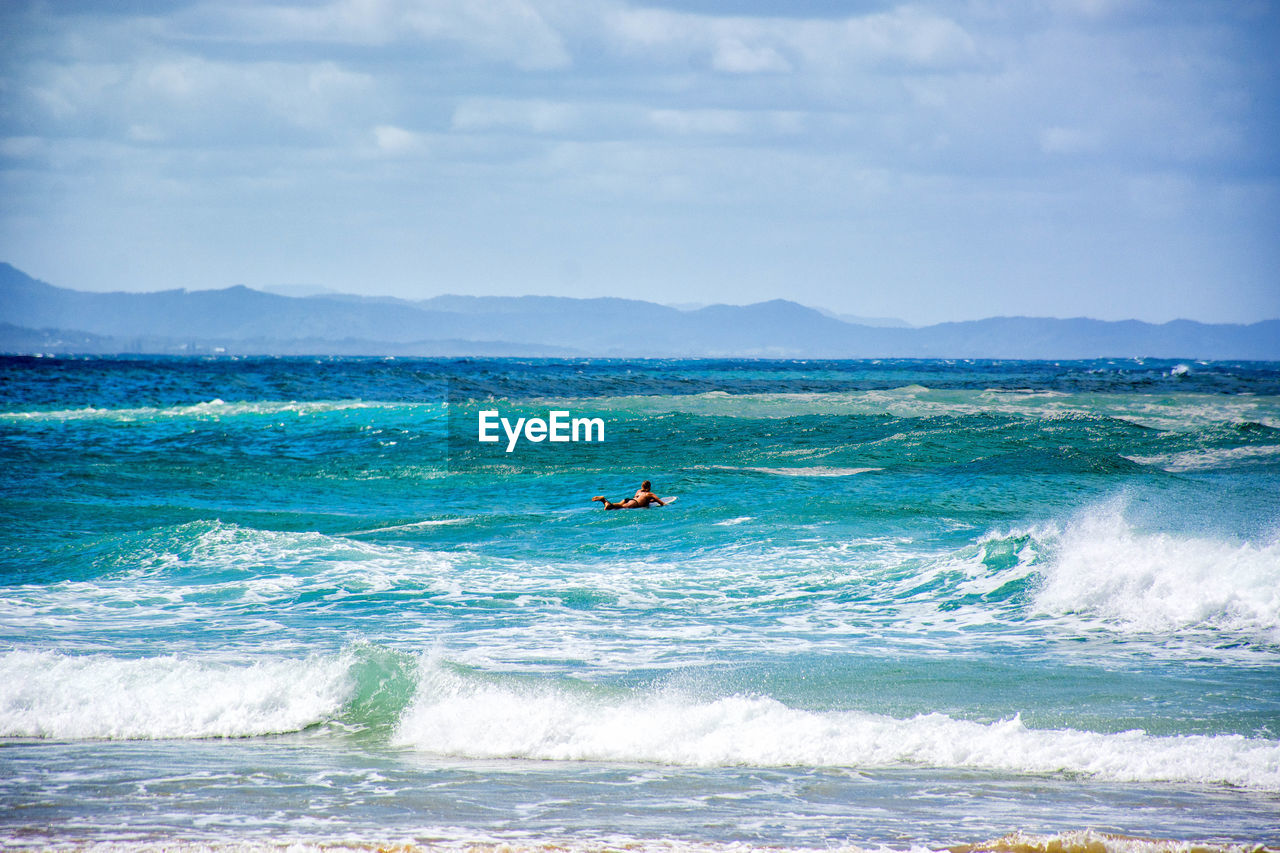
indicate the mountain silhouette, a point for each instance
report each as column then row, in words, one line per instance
column 39, row 317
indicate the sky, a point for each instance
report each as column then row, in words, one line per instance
column 928, row 161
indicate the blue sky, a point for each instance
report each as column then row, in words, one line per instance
column 930, row 161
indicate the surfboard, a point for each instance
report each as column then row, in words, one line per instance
column 669, row 500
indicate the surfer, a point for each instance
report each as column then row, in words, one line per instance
column 644, row 497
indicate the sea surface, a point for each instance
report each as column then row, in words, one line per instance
column 897, row 605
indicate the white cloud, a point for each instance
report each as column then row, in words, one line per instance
column 762, row 124
column 535, row 116
column 585, row 120
column 187, row 96
column 397, row 141
column 904, row 36
column 507, row 31
column 716, row 122
column 146, row 133
column 1094, row 9
column 735, row 57
column 64, row 92
column 1069, row 140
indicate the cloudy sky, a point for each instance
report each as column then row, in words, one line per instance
column 930, row 161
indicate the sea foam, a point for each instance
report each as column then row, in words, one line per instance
column 53, row 695
column 466, row 716
column 1175, row 411
column 210, row 410
column 1203, row 460
column 1138, row 581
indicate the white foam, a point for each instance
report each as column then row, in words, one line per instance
column 1168, row 410
column 432, row 522
column 51, row 695
column 1160, row 582
column 209, row 410
column 206, row 556
column 1199, row 460
column 811, row 471
column 466, row 717
column 209, row 578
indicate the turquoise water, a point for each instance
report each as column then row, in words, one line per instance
column 899, row 604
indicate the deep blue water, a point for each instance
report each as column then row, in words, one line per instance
column 900, row 603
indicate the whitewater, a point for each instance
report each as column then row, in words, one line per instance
column 900, row 605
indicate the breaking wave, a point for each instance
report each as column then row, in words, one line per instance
column 1137, row 581
column 483, row 718
column 439, row 708
column 52, row 695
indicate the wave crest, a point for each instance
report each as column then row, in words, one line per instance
column 1154, row 582
column 53, row 695
column 468, row 717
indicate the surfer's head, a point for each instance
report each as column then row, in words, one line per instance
column 646, row 485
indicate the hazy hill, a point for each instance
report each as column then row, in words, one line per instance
column 36, row 316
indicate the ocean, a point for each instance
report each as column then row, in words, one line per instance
column 898, row 605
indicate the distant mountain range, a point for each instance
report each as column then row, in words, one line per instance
column 38, row 317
